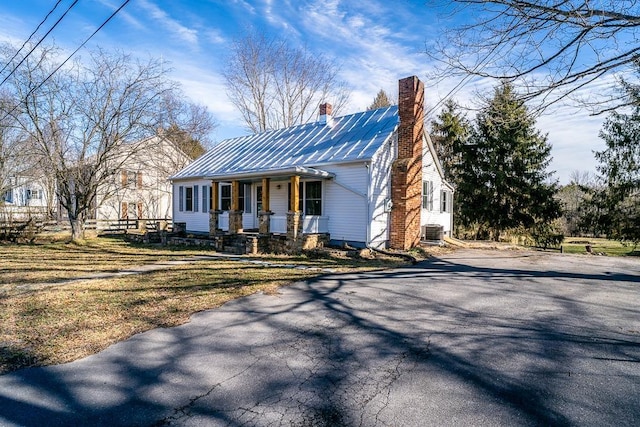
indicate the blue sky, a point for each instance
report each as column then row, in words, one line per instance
column 375, row 43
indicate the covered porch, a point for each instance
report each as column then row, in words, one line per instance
column 284, row 206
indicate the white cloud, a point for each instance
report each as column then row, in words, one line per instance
column 169, row 24
column 123, row 14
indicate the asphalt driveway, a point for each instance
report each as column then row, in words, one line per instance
column 472, row 338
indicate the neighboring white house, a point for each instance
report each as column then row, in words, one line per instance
column 26, row 197
column 141, row 187
column 367, row 179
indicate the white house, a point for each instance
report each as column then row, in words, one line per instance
column 367, row 179
column 24, row 198
column 141, row 187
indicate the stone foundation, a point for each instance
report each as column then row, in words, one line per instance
column 241, row 244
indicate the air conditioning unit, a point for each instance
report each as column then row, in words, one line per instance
column 432, row 232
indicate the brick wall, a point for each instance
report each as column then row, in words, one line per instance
column 406, row 173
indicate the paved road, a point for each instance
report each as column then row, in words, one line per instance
column 473, row 338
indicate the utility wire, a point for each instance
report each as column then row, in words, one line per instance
column 39, row 42
column 30, row 36
column 69, row 57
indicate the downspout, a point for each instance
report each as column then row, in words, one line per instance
column 173, row 203
column 367, row 201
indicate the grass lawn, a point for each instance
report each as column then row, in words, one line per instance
column 57, row 323
column 577, row 245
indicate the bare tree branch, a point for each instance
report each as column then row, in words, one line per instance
column 274, row 85
column 548, row 48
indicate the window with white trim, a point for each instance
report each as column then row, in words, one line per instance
column 206, row 194
column 34, row 194
column 225, row 197
column 188, row 199
column 446, row 201
column 427, row 195
column 310, row 202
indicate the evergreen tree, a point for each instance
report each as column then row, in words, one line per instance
column 503, row 177
column 381, row 100
column 189, row 145
column 620, row 169
column 449, row 132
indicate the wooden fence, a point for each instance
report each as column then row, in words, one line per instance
column 12, row 230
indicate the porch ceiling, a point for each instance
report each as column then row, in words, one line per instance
column 305, row 172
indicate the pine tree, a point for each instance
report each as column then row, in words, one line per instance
column 381, row 100
column 620, row 169
column 503, row 173
column 449, row 132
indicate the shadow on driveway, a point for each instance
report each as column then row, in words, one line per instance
column 464, row 339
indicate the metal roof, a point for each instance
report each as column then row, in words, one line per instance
column 350, row 138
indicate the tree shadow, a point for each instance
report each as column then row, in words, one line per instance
column 366, row 348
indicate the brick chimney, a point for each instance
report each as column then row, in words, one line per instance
column 325, row 114
column 406, row 173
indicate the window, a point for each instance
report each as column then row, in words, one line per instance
column 225, row 197
column 427, row 195
column 34, row 194
column 313, row 198
column 241, row 197
column 181, row 198
column 259, row 199
column 446, row 200
column 206, row 193
column 131, row 179
column 310, row 202
column 246, row 200
column 188, row 199
column 8, row 196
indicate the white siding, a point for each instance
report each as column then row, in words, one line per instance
column 197, row 222
column 430, row 173
column 345, row 202
column 380, row 190
column 156, row 159
column 279, row 197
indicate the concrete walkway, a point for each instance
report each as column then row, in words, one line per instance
column 163, row 265
column 470, row 338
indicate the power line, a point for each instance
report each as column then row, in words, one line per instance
column 31, row 35
column 70, row 56
column 39, row 42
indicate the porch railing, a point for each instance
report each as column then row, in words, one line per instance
column 278, row 224
column 315, row 224
column 223, row 222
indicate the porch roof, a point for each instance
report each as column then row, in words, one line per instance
column 273, row 173
column 351, row 138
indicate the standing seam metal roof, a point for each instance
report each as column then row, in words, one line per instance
column 350, row 138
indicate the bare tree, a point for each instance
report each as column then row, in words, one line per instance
column 550, row 48
column 77, row 118
column 274, row 85
column 11, row 161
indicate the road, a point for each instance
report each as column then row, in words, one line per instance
column 500, row 338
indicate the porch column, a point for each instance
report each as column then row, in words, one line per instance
column 264, row 216
column 214, row 213
column 235, row 214
column 295, row 193
column 294, row 217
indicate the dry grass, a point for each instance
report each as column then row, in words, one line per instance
column 56, row 324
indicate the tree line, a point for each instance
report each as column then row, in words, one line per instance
column 499, row 166
column 66, row 124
